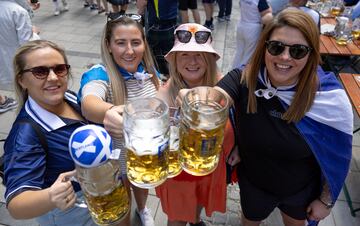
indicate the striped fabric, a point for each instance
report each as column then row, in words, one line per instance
column 96, row 82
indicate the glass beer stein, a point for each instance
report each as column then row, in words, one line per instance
column 355, row 29
column 337, row 6
column 342, row 31
column 204, row 113
column 99, row 175
column 174, row 162
column 146, row 132
column 105, row 194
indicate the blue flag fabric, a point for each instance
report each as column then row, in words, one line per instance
column 327, row 127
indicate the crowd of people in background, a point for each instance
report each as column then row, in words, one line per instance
column 276, row 84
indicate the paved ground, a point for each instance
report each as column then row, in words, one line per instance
column 79, row 31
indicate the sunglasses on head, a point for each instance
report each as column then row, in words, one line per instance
column 42, row 72
column 297, row 51
column 201, row 37
column 112, row 17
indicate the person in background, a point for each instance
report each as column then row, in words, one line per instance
column 35, row 176
column 127, row 73
column 15, row 29
column 161, row 20
column 254, row 14
column 192, row 63
column 356, row 11
column 350, row 2
column 184, row 5
column 224, row 10
column 278, row 5
column 102, row 9
column 57, row 8
column 119, row 6
column 284, row 92
column 301, row 4
column 209, row 11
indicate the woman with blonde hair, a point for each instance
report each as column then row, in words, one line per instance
column 127, row 73
column 192, row 63
column 294, row 125
column 37, row 160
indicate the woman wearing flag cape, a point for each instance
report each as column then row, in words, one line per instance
column 293, row 123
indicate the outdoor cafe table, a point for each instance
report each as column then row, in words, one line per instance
column 329, row 48
column 328, row 44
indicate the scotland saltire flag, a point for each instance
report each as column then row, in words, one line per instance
column 90, row 146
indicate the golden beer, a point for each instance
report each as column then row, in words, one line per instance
column 335, row 11
column 355, row 34
column 104, row 191
column 108, row 209
column 147, row 171
column 204, row 113
column 146, row 133
column 342, row 41
column 174, row 164
column 200, row 149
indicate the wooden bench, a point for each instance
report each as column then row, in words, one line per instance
column 351, row 83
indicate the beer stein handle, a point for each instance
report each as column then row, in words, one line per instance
column 80, row 202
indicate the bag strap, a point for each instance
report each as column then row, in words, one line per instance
column 38, row 131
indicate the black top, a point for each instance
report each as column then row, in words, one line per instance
column 274, row 155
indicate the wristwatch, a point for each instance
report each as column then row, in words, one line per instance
column 328, row 205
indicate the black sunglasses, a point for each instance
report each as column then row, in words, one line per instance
column 297, row 51
column 201, row 37
column 42, row 72
column 112, row 17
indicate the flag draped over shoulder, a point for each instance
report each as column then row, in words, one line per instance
column 327, row 127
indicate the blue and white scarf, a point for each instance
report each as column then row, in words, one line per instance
column 327, row 127
column 98, row 72
column 140, row 75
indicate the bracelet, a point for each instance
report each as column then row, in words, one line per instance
column 327, row 204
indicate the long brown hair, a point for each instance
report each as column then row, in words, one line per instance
column 117, row 81
column 19, row 64
column 308, row 81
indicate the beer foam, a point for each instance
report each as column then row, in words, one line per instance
column 174, row 138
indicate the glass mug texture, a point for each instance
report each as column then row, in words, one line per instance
column 146, row 132
column 336, row 7
column 355, row 29
column 174, row 168
column 204, row 113
column 342, row 31
column 104, row 191
column 325, row 9
column 347, row 11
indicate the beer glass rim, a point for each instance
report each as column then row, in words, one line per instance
column 160, row 101
column 224, row 107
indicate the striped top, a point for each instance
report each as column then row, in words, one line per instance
column 96, row 82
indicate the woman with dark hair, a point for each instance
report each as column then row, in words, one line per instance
column 293, row 125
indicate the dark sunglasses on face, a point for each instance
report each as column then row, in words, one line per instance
column 42, row 72
column 201, row 37
column 112, row 17
column 297, row 51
